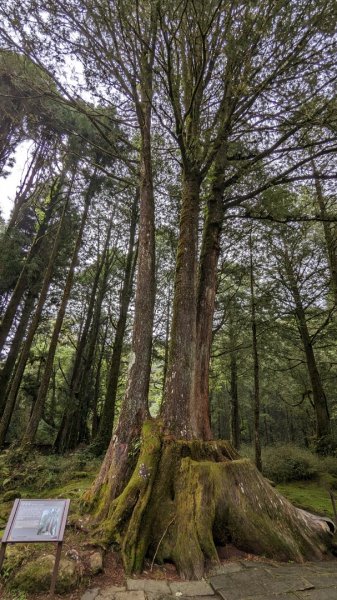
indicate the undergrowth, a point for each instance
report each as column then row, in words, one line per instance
column 288, row 462
column 36, row 471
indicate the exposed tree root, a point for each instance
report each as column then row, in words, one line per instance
column 186, row 496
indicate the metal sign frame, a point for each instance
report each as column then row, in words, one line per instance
column 36, row 539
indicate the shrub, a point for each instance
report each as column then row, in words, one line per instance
column 328, row 464
column 289, row 463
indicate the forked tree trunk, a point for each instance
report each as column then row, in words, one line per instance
column 185, row 497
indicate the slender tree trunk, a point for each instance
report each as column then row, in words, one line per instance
column 28, row 185
column 24, row 279
column 176, row 409
column 330, row 240
column 51, row 411
column 31, row 430
column 15, row 384
column 266, row 432
column 81, row 362
column 235, row 415
column 94, row 407
column 167, row 337
column 107, row 416
column 75, row 428
column 235, row 419
column 8, row 140
column 323, row 428
column 14, row 351
column 256, row 395
column 221, row 406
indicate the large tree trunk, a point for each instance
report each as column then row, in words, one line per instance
column 185, row 497
column 115, row 470
column 179, row 385
column 205, row 311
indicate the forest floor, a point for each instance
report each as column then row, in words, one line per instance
column 49, row 476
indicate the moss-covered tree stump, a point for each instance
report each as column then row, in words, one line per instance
column 184, row 497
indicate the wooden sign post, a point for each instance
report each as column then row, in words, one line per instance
column 33, row 521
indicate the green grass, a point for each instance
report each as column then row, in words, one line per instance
column 309, row 495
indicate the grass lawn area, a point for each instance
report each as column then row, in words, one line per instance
column 309, row 495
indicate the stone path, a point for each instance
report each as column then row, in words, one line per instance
column 240, row 580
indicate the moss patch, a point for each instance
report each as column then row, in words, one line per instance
column 35, row 576
column 308, row 495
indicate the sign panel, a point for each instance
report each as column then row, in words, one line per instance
column 37, row 521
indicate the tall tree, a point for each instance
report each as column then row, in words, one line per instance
column 236, row 86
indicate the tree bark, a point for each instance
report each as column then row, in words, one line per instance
column 176, row 409
column 205, row 311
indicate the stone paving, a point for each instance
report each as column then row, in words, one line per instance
column 239, row 580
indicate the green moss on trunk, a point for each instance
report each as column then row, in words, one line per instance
column 186, row 496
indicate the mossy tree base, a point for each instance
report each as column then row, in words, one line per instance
column 185, row 497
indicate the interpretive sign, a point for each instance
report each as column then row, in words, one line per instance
column 37, row 521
